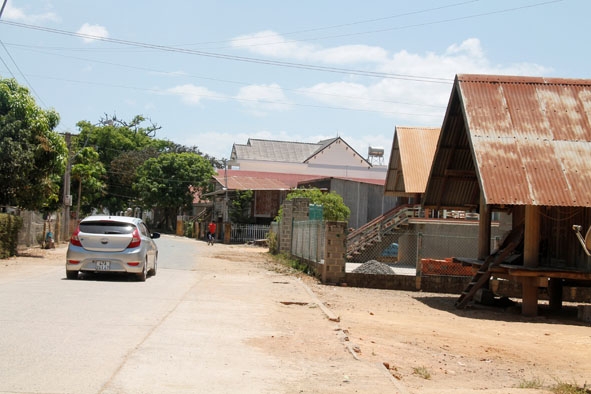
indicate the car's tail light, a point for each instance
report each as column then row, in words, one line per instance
column 136, row 240
column 74, row 240
column 74, row 262
column 133, row 263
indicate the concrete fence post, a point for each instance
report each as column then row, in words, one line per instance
column 295, row 209
column 335, row 251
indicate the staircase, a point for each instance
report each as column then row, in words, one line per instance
column 481, row 277
column 372, row 232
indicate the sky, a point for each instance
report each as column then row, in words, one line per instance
column 215, row 73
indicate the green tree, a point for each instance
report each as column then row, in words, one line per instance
column 333, row 206
column 32, row 155
column 240, row 206
column 89, row 174
column 169, row 181
column 122, row 147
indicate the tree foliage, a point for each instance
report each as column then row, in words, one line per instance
column 170, row 180
column 240, row 206
column 32, row 155
column 89, row 175
column 125, row 147
column 333, row 206
column 122, row 147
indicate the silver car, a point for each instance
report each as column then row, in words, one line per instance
column 112, row 244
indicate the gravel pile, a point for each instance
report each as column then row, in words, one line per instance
column 373, row 267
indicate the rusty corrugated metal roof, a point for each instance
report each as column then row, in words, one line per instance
column 257, row 180
column 412, row 154
column 521, row 140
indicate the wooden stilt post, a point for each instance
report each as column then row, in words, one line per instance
column 531, row 250
column 484, row 230
column 555, row 294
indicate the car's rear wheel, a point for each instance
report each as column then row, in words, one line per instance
column 72, row 274
column 153, row 270
column 144, row 274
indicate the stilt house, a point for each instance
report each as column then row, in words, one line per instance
column 520, row 145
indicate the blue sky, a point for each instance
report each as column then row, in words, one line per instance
column 212, row 74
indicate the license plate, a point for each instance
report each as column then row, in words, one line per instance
column 103, row 265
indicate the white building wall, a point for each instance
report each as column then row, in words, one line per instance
column 327, row 170
column 339, row 153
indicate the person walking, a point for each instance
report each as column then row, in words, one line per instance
column 211, row 233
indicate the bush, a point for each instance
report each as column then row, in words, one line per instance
column 10, row 225
column 189, row 232
column 272, row 242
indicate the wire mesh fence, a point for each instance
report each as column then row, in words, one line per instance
column 308, row 240
column 429, row 253
column 35, row 229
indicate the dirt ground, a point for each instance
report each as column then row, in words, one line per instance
column 420, row 338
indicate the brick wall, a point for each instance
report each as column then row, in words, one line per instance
column 335, row 249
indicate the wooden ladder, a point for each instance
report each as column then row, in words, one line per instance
column 483, row 274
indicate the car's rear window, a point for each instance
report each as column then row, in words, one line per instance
column 106, row 228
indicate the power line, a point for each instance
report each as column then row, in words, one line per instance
column 7, row 68
column 14, row 62
column 207, row 78
column 21, row 73
column 164, row 48
column 303, row 66
column 338, row 26
column 404, row 27
column 232, row 98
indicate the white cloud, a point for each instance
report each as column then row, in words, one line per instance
column 404, row 98
column 401, row 97
column 271, row 44
column 92, row 32
column 261, row 99
column 192, row 94
column 23, row 15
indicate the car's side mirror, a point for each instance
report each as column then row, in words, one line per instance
column 155, row 235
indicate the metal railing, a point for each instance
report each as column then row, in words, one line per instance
column 374, row 232
column 242, row 233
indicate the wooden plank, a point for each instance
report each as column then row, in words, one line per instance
column 543, row 273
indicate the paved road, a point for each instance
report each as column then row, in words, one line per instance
column 201, row 325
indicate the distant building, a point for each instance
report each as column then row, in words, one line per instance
column 272, row 168
column 332, row 157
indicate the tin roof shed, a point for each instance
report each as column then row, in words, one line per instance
column 411, row 158
column 516, row 140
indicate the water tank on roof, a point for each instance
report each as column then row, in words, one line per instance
column 375, row 154
column 375, row 151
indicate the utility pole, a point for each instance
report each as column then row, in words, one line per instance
column 67, row 198
column 2, row 9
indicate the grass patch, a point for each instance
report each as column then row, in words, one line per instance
column 422, row 372
column 568, row 388
column 535, row 383
column 290, row 264
column 558, row 388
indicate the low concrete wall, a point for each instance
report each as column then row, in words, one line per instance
column 386, row 282
column 453, row 285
